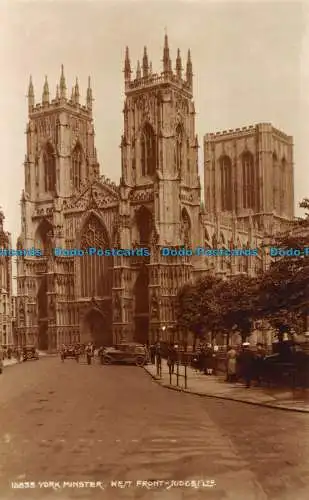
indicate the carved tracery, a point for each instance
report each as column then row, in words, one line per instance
column 96, row 270
column 49, row 162
column 148, row 151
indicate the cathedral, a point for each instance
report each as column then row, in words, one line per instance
column 66, row 203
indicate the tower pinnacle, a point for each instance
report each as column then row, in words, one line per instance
column 189, row 72
column 45, row 96
column 77, row 94
column 127, row 66
column 63, row 88
column 178, row 65
column 30, row 95
column 167, row 64
column 138, row 71
column 145, row 63
column 89, row 98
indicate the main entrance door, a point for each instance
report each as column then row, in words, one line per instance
column 95, row 329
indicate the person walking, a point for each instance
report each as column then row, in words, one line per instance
column 158, row 357
column 152, row 354
column 171, row 358
column 259, row 362
column 231, row 361
column 246, row 362
column 89, row 353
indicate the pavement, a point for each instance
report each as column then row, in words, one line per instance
column 215, row 386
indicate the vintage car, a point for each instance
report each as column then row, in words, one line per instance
column 126, row 353
column 30, row 352
column 71, row 351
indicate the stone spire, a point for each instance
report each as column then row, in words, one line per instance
column 45, row 96
column 30, row 95
column 178, row 65
column 63, row 87
column 189, row 72
column 167, row 63
column 145, row 64
column 150, row 68
column 1, row 219
column 57, row 93
column 89, row 98
column 73, row 94
column 138, row 71
column 127, row 66
column 77, row 93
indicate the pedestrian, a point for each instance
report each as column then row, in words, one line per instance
column 153, row 354
column 259, row 362
column 171, row 358
column 62, row 352
column 231, row 359
column 89, row 353
column 158, row 357
column 246, row 363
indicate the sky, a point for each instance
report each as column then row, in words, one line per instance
column 250, row 64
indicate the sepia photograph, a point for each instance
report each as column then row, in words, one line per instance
column 154, row 250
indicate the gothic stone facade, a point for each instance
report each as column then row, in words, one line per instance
column 6, row 337
column 66, row 203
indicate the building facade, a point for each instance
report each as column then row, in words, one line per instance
column 67, row 204
column 6, row 338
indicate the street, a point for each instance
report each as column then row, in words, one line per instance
column 72, row 422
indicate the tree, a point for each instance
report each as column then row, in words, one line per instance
column 196, row 308
column 284, row 290
column 237, row 298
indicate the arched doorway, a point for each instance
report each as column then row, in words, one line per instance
column 96, row 329
column 141, row 307
column 43, row 315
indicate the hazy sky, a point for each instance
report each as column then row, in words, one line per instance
column 250, row 60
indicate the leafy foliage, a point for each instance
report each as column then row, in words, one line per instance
column 284, row 290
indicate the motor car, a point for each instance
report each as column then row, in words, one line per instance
column 70, row 352
column 30, row 353
column 126, row 353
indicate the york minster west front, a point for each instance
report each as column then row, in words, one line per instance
column 67, row 204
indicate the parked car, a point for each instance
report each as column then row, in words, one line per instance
column 30, row 353
column 71, row 352
column 126, row 353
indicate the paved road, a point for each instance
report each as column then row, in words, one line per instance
column 73, row 422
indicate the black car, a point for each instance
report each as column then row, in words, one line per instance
column 30, row 353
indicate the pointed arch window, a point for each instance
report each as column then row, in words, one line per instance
column 186, row 228
column 144, row 226
column 148, row 151
column 77, row 158
column 49, row 161
column 248, row 181
column 95, row 271
column 179, row 147
column 282, row 185
column 226, row 183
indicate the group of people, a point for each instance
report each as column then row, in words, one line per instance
column 245, row 364
column 78, row 350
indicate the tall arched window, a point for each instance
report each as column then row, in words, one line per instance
column 179, row 148
column 226, row 183
column 282, row 185
column 95, row 271
column 148, row 151
column 76, row 173
column 43, row 237
column 185, row 228
column 144, row 226
column 49, row 161
column 248, row 179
